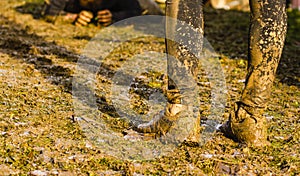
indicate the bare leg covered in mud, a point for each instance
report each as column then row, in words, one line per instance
column 187, row 49
column 266, row 40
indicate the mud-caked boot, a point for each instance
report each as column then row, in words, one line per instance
column 160, row 124
column 246, row 125
column 163, row 121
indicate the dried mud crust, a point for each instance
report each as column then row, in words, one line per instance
column 38, row 131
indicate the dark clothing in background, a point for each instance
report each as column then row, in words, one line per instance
column 120, row 9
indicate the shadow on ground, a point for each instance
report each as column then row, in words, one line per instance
column 32, row 49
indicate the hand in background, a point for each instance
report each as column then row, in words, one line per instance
column 84, row 17
column 70, row 17
column 104, row 17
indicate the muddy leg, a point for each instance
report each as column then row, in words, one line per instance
column 266, row 40
column 188, row 41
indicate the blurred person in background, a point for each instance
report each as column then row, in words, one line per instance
column 83, row 12
column 150, row 7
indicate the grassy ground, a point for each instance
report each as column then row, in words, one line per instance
column 40, row 135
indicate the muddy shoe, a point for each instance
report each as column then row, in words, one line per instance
column 162, row 122
column 246, row 127
column 157, row 127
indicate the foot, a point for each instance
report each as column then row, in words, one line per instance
column 162, row 122
column 247, row 126
column 157, row 127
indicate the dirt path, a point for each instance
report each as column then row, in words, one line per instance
column 40, row 135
